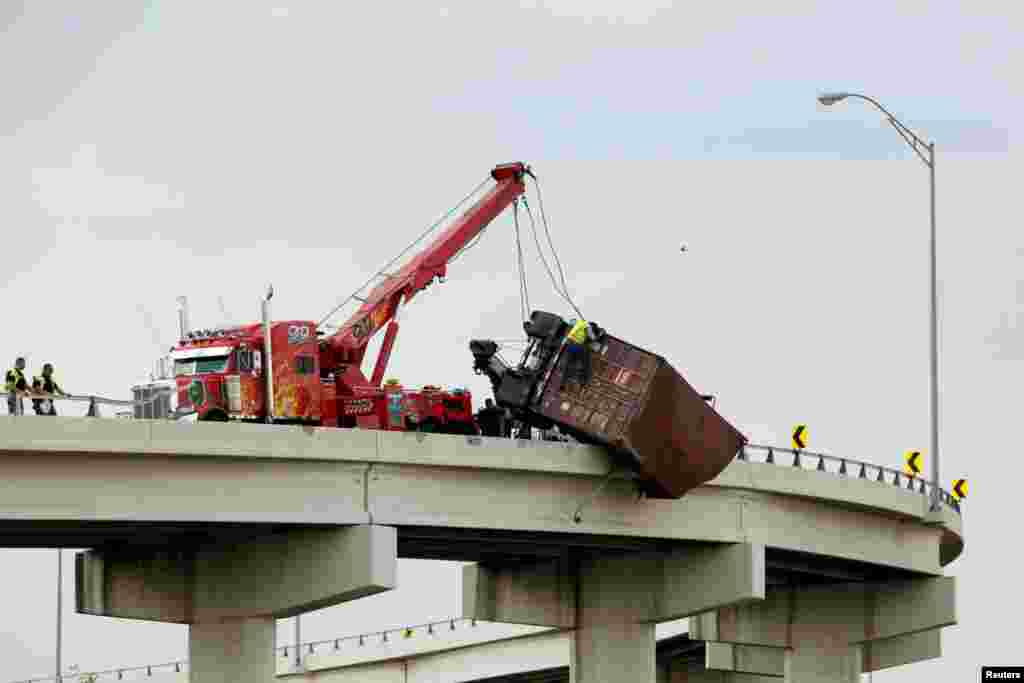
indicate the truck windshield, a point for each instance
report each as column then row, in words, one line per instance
column 200, row 366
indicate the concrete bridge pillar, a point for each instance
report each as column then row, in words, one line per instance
column 230, row 594
column 613, row 602
column 232, row 650
column 614, row 638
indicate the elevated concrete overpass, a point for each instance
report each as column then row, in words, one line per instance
column 228, row 527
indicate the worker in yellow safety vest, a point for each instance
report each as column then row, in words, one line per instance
column 16, row 387
column 46, row 385
column 577, row 353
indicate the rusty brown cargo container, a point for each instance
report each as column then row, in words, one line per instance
column 639, row 406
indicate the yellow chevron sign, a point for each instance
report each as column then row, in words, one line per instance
column 959, row 489
column 913, row 463
column 800, row 437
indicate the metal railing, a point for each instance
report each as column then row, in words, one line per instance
column 133, row 673
column 93, row 401
column 332, row 646
column 844, row 467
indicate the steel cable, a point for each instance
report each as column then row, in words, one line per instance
column 406, row 250
column 524, row 293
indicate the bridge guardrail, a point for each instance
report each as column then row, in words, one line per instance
column 312, row 647
column 93, row 400
column 842, row 467
column 384, row 636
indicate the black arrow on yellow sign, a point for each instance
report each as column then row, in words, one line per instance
column 799, row 437
column 960, row 488
column 912, row 462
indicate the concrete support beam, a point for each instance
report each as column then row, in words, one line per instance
column 276, row 576
column 714, row 676
column 890, row 652
column 855, row 612
column 832, row 634
column 745, row 659
column 907, row 607
column 232, row 651
column 537, row 594
column 694, row 580
column 673, row 585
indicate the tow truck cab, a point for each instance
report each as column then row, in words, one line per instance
column 220, row 374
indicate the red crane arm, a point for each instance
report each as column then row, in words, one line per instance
column 432, row 263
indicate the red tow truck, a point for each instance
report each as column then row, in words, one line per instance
column 288, row 371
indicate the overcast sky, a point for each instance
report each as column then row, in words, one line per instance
column 152, row 150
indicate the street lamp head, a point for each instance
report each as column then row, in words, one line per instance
column 829, row 98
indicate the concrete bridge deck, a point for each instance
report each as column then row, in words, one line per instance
column 161, row 501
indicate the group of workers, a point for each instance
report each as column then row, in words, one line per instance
column 43, row 386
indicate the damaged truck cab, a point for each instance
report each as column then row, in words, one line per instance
column 635, row 404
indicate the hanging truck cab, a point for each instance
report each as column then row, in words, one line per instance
column 636, row 405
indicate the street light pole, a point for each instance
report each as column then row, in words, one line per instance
column 934, row 341
column 60, row 587
column 916, row 144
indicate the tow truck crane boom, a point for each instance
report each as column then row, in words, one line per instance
column 347, row 346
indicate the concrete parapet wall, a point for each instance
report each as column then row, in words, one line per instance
column 289, row 475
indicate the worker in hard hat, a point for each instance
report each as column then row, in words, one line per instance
column 17, row 387
column 577, row 353
column 46, row 385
